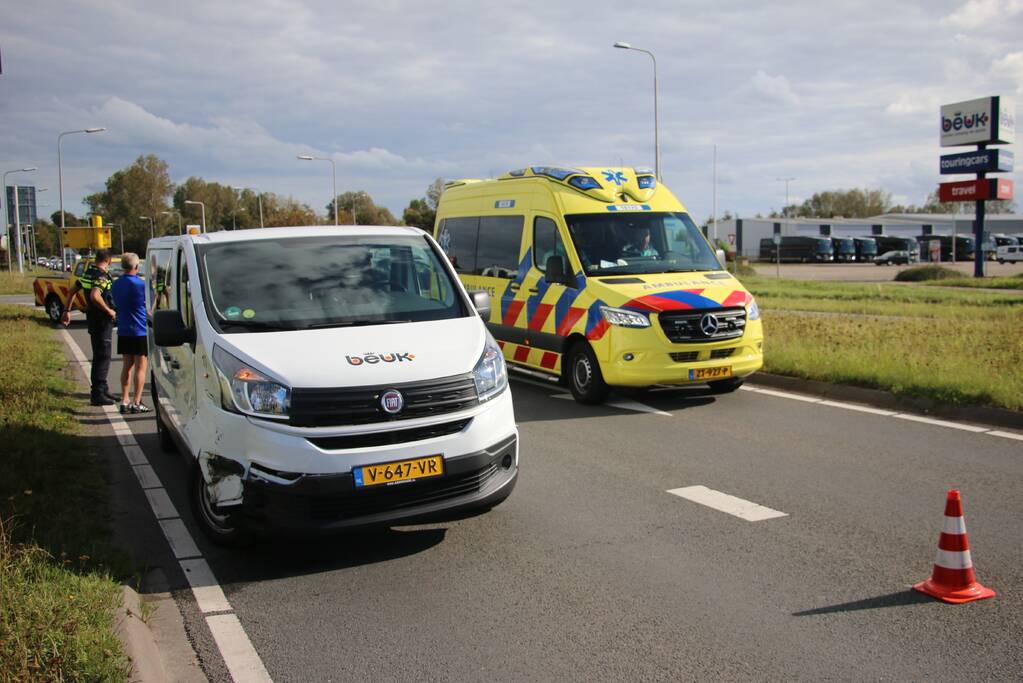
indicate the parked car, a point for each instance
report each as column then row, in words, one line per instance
column 890, row 258
column 1010, row 253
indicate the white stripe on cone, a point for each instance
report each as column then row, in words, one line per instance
column 950, row 559
column 955, row 526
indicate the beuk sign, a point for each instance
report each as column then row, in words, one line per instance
column 988, row 120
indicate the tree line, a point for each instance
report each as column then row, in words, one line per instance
column 144, row 189
column 864, row 203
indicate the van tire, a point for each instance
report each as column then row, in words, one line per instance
column 54, row 308
column 222, row 528
column 583, row 375
column 1001, row 261
column 167, row 444
column 725, row 386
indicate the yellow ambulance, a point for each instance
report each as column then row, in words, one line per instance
column 600, row 276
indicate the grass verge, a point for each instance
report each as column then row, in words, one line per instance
column 1013, row 282
column 56, row 556
column 954, row 346
column 16, row 283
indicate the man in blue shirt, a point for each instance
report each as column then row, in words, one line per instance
column 130, row 299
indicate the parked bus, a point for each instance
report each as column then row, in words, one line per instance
column 798, row 248
column 844, row 248
column 866, row 249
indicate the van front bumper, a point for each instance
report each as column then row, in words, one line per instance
column 331, row 502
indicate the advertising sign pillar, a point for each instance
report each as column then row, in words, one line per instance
column 978, row 227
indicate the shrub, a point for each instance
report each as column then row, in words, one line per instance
column 924, row 273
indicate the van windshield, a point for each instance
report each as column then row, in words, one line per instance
column 297, row 283
column 639, row 242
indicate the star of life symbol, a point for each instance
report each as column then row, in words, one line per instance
column 616, row 177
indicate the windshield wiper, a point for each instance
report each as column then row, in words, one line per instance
column 255, row 326
column 353, row 323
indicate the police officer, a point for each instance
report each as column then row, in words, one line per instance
column 100, row 314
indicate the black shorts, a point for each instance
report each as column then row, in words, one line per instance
column 132, row 346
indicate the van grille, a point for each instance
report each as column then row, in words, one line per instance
column 685, row 356
column 390, row 437
column 361, row 405
column 685, row 326
column 721, row 353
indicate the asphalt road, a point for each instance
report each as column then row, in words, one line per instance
column 592, row 571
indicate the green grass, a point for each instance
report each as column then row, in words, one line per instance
column 56, row 555
column 16, row 283
column 953, row 345
column 1013, row 282
column 927, row 273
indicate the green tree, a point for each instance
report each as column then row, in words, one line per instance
column 287, row 211
column 419, row 214
column 224, row 209
column 69, row 219
column 46, row 237
column 141, row 189
column 934, row 205
column 360, row 205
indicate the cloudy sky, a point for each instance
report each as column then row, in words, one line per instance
column 837, row 95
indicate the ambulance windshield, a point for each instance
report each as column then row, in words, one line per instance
column 640, row 242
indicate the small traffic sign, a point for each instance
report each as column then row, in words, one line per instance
column 731, row 238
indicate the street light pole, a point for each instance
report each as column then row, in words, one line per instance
column 174, row 211
column 259, row 200
column 657, row 140
column 60, row 182
column 333, row 176
column 120, row 229
column 203, row 207
column 151, row 230
column 17, row 226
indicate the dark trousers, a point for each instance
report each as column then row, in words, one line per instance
column 100, row 333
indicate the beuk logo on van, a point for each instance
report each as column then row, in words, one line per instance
column 373, row 358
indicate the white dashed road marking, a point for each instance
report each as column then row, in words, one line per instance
column 239, row 655
column 743, row 509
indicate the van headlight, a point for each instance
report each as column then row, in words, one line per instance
column 622, row 317
column 753, row 313
column 244, row 389
column 490, row 373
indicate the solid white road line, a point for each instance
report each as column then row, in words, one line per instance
column 743, row 509
column 941, row 423
column 241, row 658
column 1006, row 435
column 239, row 655
column 859, row 408
column 785, row 394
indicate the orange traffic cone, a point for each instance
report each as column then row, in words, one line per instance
column 953, row 579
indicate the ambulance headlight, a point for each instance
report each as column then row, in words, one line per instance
column 753, row 312
column 490, row 373
column 622, row 317
column 244, row 389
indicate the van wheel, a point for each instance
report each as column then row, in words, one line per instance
column 584, row 377
column 54, row 308
column 1001, row 261
column 725, row 386
column 223, row 528
column 167, row 444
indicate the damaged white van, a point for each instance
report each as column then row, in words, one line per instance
column 324, row 378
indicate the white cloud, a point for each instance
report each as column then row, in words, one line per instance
column 775, row 88
column 1010, row 67
column 980, row 13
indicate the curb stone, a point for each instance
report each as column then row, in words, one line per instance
column 997, row 417
column 138, row 640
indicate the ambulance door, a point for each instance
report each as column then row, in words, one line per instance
column 548, row 303
column 498, row 260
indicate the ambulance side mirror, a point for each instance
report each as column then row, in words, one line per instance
column 481, row 302
column 555, row 273
column 720, row 253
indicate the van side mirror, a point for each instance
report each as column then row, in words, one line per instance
column 481, row 302
column 169, row 329
column 555, row 273
column 720, row 253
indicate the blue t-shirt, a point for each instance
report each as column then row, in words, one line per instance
column 130, row 302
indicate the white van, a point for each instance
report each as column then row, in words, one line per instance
column 325, row 378
column 1010, row 253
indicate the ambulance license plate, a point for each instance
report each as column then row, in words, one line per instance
column 402, row 471
column 698, row 374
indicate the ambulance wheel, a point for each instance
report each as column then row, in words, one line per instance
column 167, row 444
column 725, row 386
column 584, row 377
column 54, row 308
column 220, row 526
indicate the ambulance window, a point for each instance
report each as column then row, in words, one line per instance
column 458, row 237
column 546, row 242
column 499, row 242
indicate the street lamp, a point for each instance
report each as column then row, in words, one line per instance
column 785, row 211
column 203, row 207
column 120, row 228
column 35, row 250
column 17, row 219
column 151, row 232
column 333, row 176
column 174, row 211
column 259, row 200
column 657, row 141
column 60, row 181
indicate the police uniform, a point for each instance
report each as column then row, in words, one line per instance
column 101, row 327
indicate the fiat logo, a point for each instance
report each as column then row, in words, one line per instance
column 392, row 402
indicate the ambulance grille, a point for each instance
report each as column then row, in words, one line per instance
column 688, row 326
column 685, row 356
column 721, row 353
column 361, row 405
